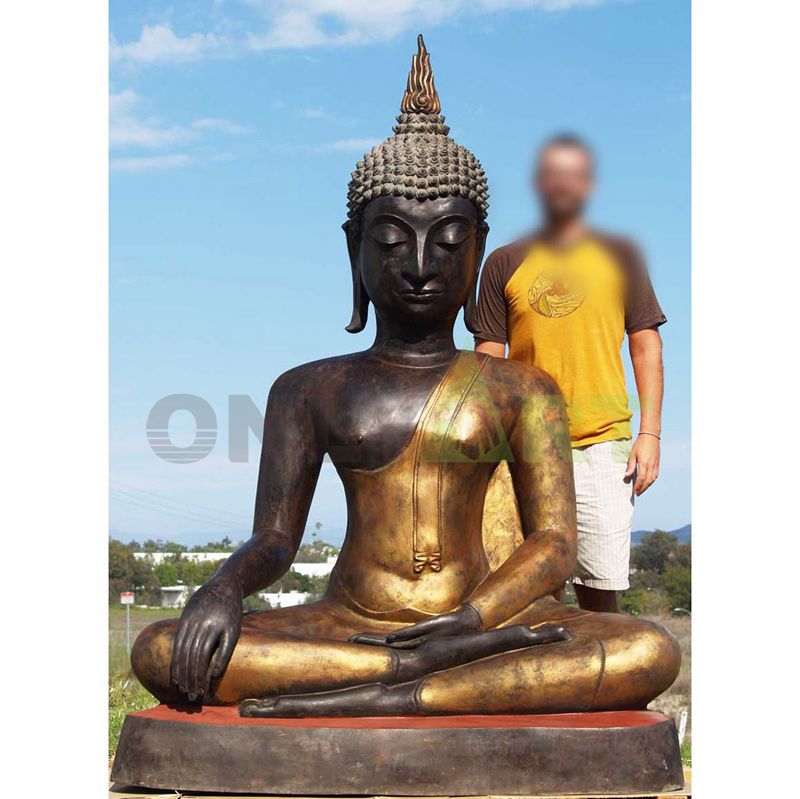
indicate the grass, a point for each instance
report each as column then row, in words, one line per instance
column 679, row 695
column 126, row 695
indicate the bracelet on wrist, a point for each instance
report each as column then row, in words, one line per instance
column 645, row 433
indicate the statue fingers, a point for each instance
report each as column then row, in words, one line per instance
column 412, row 643
column 370, row 639
column 227, row 644
column 178, row 655
column 202, row 661
column 417, row 630
column 192, row 660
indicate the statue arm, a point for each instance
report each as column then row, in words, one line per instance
column 290, row 462
column 291, row 458
column 543, row 483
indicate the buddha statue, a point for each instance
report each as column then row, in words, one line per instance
column 420, row 617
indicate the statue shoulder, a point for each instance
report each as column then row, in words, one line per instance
column 316, row 377
column 514, row 382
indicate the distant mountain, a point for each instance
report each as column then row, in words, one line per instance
column 684, row 534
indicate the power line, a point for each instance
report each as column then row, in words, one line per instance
column 227, row 517
column 137, row 502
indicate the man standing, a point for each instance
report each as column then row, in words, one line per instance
column 563, row 299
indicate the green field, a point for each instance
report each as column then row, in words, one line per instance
column 126, row 695
column 124, row 692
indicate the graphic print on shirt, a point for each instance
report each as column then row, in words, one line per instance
column 555, row 295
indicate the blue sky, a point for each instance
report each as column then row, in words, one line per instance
column 234, row 127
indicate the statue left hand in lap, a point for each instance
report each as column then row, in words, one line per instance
column 414, row 619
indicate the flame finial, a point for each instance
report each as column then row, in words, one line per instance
column 420, row 96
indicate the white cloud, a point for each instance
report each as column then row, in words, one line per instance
column 302, row 24
column 158, row 44
column 311, row 23
column 131, row 128
column 127, row 128
column 149, row 162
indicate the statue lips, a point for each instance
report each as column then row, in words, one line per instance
column 420, row 296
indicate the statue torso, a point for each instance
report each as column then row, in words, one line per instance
column 415, row 449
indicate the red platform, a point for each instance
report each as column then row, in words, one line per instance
column 214, row 749
column 229, row 716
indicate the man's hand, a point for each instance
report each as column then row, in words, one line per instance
column 644, row 460
column 207, row 634
column 465, row 619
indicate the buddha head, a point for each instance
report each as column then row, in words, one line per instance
column 416, row 226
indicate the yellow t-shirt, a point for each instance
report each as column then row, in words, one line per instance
column 566, row 311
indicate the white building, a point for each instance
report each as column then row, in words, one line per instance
column 174, row 596
column 316, row 569
column 308, row 569
column 197, row 557
column 285, row 599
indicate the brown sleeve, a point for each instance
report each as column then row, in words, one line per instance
column 641, row 305
column 492, row 306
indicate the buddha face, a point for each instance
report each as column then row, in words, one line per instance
column 418, row 260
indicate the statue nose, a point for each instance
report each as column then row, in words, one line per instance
column 417, row 270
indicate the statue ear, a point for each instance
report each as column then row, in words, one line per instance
column 358, row 319
column 471, row 305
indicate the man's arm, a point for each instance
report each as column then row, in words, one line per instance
column 648, row 368
column 493, row 348
column 492, row 311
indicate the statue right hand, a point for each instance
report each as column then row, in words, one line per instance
column 464, row 619
column 206, row 636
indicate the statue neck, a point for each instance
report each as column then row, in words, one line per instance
column 413, row 347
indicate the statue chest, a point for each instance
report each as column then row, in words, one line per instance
column 451, row 410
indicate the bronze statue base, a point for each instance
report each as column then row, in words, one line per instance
column 213, row 749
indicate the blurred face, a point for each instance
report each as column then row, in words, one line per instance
column 418, row 260
column 563, row 181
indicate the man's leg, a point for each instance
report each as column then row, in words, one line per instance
column 605, row 514
column 597, row 599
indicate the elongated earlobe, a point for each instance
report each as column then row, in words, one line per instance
column 471, row 308
column 360, row 314
column 471, row 304
column 358, row 319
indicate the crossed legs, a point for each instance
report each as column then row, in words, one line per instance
column 610, row 661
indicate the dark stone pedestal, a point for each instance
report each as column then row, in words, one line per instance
column 213, row 749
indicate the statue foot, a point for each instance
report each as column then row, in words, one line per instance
column 363, row 700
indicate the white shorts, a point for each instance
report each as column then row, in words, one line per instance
column 605, row 514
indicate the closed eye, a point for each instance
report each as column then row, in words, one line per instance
column 451, row 236
column 388, row 236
